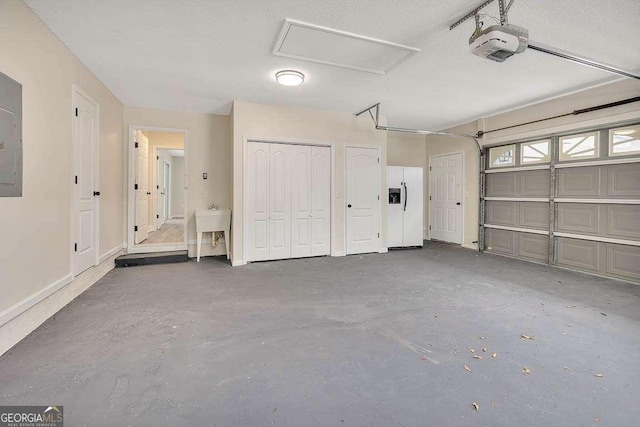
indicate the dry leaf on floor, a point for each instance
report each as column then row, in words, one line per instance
column 527, row 337
column 526, row 370
column 599, row 375
column 494, row 355
column 482, row 338
column 476, row 406
column 473, row 350
column 571, row 306
column 467, row 368
column 493, row 403
column 477, row 357
column 596, row 420
column 484, row 349
column 564, row 333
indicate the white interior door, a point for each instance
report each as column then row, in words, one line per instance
column 445, row 216
column 395, row 206
column 413, row 210
column 257, row 188
column 85, row 163
column 321, row 203
column 142, row 191
column 301, row 201
column 280, row 201
column 363, row 200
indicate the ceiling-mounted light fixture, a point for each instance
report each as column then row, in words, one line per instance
column 290, row 77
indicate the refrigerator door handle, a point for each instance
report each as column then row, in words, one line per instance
column 406, row 193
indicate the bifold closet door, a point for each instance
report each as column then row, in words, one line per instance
column 301, row 201
column 280, row 165
column 257, row 187
column 321, row 201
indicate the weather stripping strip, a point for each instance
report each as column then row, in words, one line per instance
column 598, row 239
column 521, row 230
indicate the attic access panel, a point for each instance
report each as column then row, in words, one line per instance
column 309, row 42
column 10, row 137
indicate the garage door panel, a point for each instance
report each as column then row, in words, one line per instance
column 623, row 221
column 623, row 261
column 533, row 246
column 623, row 181
column 533, row 183
column 501, row 184
column 578, row 218
column 501, row 241
column 580, row 182
column 502, row 213
column 576, row 253
column 534, row 215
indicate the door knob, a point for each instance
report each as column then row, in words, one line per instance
column 96, row 193
column 458, row 203
column 148, row 194
column 349, row 206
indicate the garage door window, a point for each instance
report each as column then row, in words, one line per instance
column 577, row 147
column 502, row 156
column 535, row 152
column 624, row 141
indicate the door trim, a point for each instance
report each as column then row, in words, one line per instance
column 462, row 195
column 245, row 213
column 382, row 216
column 132, row 248
column 76, row 90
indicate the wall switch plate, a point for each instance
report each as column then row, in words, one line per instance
column 204, row 175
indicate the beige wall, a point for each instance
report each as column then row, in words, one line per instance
column 404, row 149
column 284, row 123
column 208, row 149
column 36, row 228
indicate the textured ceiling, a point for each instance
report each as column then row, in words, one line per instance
column 200, row 55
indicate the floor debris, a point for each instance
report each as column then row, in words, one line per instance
column 467, row 368
column 527, row 337
column 526, row 370
column 476, row 406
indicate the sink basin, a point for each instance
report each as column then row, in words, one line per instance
column 208, row 220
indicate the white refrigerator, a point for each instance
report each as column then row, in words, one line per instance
column 404, row 206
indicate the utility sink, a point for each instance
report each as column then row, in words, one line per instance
column 210, row 221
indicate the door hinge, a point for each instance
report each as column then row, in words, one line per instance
column 378, row 235
column 135, row 228
column 429, row 167
column 75, row 247
column 76, row 112
column 135, row 186
column 429, row 227
column 378, row 197
column 157, row 216
column 429, row 197
column 157, row 187
column 157, row 157
column 378, row 159
column 136, row 145
column 76, row 179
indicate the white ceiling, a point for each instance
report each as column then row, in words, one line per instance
column 200, row 55
column 176, row 153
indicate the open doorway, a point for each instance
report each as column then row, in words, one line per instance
column 158, row 190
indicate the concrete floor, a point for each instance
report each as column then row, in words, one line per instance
column 374, row 340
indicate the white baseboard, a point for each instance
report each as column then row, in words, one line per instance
column 383, row 250
column 238, row 263
column 109, row 254
column 21, row 319
column 24, row 305
column 473, row 246
column 339, row 253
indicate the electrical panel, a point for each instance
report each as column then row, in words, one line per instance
column 10, row 137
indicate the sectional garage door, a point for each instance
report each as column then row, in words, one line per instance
column 568, row 200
